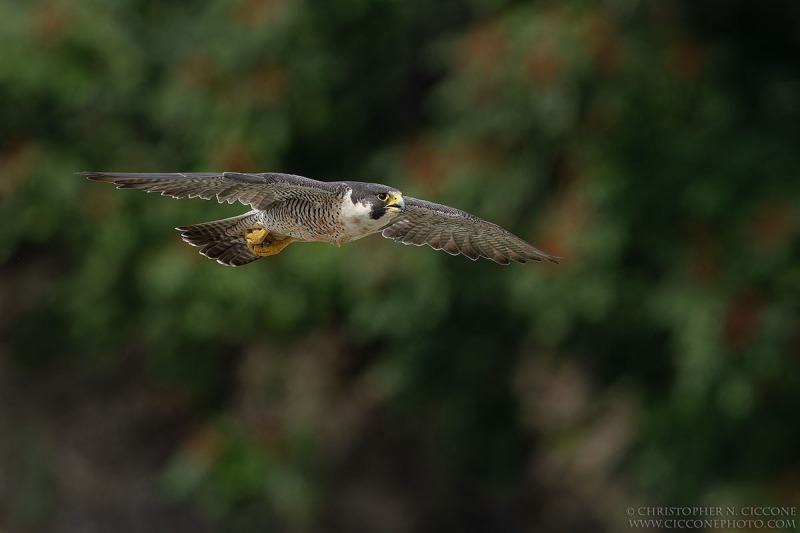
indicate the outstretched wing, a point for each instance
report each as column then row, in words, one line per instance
column 456, row 232
column 256, row 190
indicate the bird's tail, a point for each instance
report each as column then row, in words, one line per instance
column 222, row 240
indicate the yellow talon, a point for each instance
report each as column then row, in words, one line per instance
column 259, row 244
column 255, row 235
column 269, row 248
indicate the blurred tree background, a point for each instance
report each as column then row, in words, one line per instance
column 378, row 387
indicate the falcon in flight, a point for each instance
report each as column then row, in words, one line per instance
column 287, row 208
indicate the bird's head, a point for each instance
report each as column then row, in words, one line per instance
column 381, row 200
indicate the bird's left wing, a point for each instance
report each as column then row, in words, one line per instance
column 457, row 232
column 256, row 190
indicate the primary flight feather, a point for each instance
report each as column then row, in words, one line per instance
column 288, row 208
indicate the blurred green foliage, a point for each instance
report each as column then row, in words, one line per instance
column 386, row 388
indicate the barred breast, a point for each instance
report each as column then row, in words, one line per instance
column 309, row 217
column 305, row 217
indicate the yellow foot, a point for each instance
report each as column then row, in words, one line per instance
column 255, row 235
column 260, row 243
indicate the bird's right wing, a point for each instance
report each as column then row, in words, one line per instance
column 457, row 232
column 255, row 190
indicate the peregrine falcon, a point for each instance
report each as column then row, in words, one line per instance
column 288, row 208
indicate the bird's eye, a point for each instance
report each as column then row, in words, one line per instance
column 382, row 196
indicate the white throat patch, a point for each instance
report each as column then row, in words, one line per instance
column 357, row 221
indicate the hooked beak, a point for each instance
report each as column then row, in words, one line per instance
column 396, row 203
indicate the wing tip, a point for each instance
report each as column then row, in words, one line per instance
column 509, row 257
column 94, row 176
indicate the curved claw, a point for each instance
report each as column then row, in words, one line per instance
column 255, row 235
column 259, row 242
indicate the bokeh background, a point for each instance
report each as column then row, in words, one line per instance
column 379, row 387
